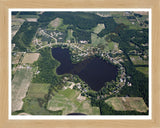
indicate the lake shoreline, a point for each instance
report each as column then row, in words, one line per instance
column 93, row 70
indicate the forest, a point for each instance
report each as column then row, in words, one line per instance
column 46, row 65
column 81, row 20
column 24, row 36
column 110, row 26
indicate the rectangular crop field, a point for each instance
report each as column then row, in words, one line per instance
column 38, row 90
column 30, row 58
column 127, row 104
column 34, row 102
column 20, row 85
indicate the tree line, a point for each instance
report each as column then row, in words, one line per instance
column 24, row 36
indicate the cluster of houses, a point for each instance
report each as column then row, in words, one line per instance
column 79, row 86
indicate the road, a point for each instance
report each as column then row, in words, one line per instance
column 59, row 43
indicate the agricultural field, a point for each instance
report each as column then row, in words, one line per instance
column 20, row 85
column 31, row 19
column 144, row 70
column 96, row 41
column 137, row 60
column 108, row 14
column 70, row 37
column 66, row 100
column 141, row 12
column 37, row 90
column 127, row 104
column 56, row 23
column 25, row 17
column 99, row 28
column 35, row 106
column 16, row 57
column 124, row 20
column 16, row 24
column 30, row 58
column 34, row 102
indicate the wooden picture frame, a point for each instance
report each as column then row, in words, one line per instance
column 4, row 61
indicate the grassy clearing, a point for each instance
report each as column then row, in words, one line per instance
column 66, row 100
column 116, row 14
column 127, row 104
column 111, row 45
column 107, row 45
column 32, row 106
column 144, row 70
column 141, row 12
column 124, row 20
column 31, row 19
column 70, row 35
column 35, row 100
column 37, row 90
column 108, row 14
column 20, row 85
column 30, row 58
column 137, row 60
column 56, row 23
column 62, row 28
column 96, row 40
column 99, row 28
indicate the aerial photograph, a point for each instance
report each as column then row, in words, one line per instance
column 79, row 63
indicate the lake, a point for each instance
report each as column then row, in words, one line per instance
column 94, row 70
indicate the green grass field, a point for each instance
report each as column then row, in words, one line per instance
column 96, row 40
column 66, row 100
column 127, row 104
column 56, row 23
column 124, row 20
column 37, row 90
column 32, row 106
column 99, row 28
column 144, row 70
column 137, row 60
column 107, row 45
column 70, row 35
column 105, row 14
column 34, row 102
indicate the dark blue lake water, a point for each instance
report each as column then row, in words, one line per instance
column 94, row 70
